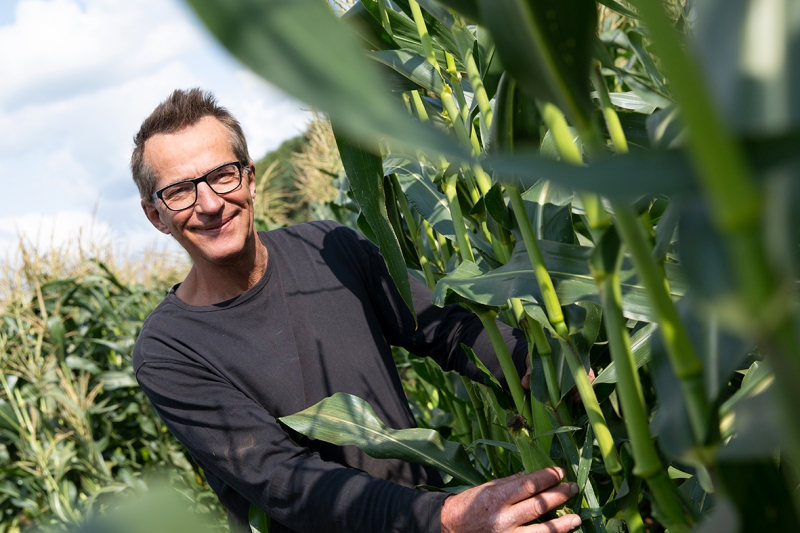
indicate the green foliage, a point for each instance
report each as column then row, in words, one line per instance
column 283, row 156
column 696, row 135
column 75, row 429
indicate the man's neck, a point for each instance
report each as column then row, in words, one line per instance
column 208, row 283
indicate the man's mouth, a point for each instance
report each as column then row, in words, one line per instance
column 210, row 228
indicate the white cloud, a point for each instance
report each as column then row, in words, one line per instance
column 79, row 76
column 46, row 231
column 77, row 232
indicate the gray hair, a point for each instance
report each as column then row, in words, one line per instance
column 183, row 108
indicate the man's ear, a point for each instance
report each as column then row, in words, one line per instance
column 154, row 216
column 251, row 183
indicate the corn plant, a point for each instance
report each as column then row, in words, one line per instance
column 618, row 181
column 75, row 429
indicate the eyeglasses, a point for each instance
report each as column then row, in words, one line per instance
column 183, row 195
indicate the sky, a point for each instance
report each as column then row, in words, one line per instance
column 78, row 77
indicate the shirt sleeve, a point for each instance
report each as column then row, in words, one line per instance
column 238, row 441
column 439, row 331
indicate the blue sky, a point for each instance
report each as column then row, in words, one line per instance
column 79, row 76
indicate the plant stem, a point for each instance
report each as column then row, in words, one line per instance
column 460, row 129
column 384, row 16
column 663, row 490
column 629, row 389
column 455, row 81
column 487, row 318
column 609, row 114
column 422, row 113
column 595, row 414
column 535, row 332
column 557, row 123
column 546, row 286
column 424, row 36
column 478, row 89
column 570, row 153
column 687, row 366
column 414, row 230
column 451, row 193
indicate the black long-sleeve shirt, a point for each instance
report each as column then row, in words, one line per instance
column 321, row 320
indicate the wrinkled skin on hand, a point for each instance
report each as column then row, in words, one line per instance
column 505, row 505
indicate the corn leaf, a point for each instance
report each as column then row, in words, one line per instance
column 547, row 46
column 629, row 175
column 365, row 173
column 568, row 266
column 412, row 66
column 640, row 346
column 300, row 47
column 344, row 419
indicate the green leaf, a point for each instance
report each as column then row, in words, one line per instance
column 569, row 269
column 636, row 38
column 441, row 34
column 365, row 173
column 665, row 230
column 8, row 417
column 498, row 443
column 619, row 8
column 550, row 211
column 585, row 462
column 300, row 47
column 490, row 379
column 58, row 335
column 629, row 100
column 82, row 363
column 761, row 494
column 405, row 33
column 533, row 456
column 427, row 200
column 468, row 8
column 345, row 420
column 722, row 519
column 758, row 377
column 704, row 254
column 547, row 46
column 640, row 346
column 259, row 521
column 630, row 175
column 757, row 428
column 749, row 53
column 366, row 26
column 113, row 380
column 413, row 66
column 495, row 204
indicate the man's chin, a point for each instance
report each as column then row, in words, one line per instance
column 218, row 253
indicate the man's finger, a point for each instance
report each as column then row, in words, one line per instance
column 539, row 504
column 562, row 524
column 521, row 487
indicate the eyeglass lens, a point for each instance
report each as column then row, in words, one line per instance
column 184, row 194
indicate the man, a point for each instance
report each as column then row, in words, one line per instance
column 267, row 324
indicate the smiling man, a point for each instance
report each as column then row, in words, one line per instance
column 267, row 324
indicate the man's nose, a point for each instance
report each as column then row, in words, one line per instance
column 207, row 200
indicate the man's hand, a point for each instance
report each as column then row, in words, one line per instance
column 504, row 505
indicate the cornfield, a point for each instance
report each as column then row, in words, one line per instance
column 617, row 180
column 77, row 435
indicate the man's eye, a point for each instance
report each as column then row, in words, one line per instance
column 179, row 191
column 224, row 176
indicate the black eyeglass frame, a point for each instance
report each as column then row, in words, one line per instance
column 159, row 194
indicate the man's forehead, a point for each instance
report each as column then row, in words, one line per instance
column 189, row 149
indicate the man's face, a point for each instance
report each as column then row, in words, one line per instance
column 217, row 228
